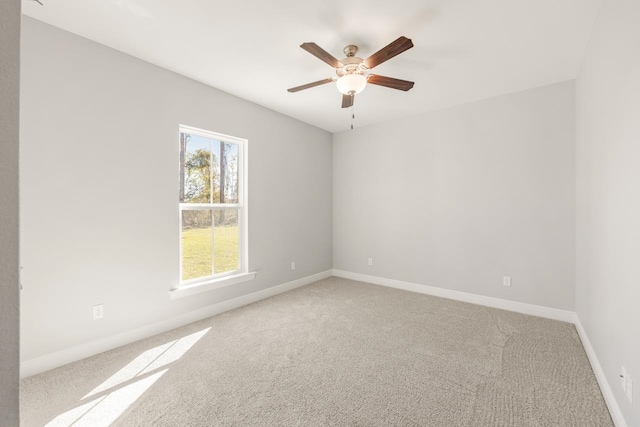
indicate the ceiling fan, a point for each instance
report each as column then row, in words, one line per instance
column 352, row 71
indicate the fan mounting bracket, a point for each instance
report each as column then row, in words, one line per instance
column 350, row 50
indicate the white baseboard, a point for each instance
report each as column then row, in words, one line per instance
column 609, row 398
column 91, row 348
column 520, row 307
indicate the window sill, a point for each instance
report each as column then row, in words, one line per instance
column 210, row 285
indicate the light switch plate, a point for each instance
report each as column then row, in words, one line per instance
column 629, row 388
column 506, row 280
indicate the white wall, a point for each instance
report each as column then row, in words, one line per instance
column 608, row 195
column 9, row 265
column 461, row 197
column 99, row 190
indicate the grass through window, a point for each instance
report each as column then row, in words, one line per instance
column 197, row 255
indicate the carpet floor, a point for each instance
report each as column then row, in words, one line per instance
column 333, row 353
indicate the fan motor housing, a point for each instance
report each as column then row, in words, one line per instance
column 351, row 65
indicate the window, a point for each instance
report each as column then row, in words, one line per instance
column 212, row 204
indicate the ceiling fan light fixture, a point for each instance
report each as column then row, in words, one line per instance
column 352, row 72
column 351, row 84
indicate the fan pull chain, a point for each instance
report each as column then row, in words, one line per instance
column 353, row 116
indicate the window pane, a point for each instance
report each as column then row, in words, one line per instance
column 226, row 238
column 198, row 166
column 197, row 244
column 227, row 176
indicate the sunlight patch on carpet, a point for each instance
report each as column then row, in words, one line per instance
column 150, row 360
column 108, row 408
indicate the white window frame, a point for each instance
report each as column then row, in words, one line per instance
column 215, row 281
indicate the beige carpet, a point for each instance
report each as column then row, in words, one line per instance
column 334, row 353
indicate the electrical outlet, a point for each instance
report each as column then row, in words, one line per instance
column 623, row 378
column 98, row 311
column 293, row 265
column 506, row 281
column 629, row 388
column 370, row 261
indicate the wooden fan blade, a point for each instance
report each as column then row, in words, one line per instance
column 388, row 52
column 347, row 101
column 321, row 54
column 308, row 85
column 390, row 82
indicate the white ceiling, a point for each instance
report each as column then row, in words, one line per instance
column 465, row 50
